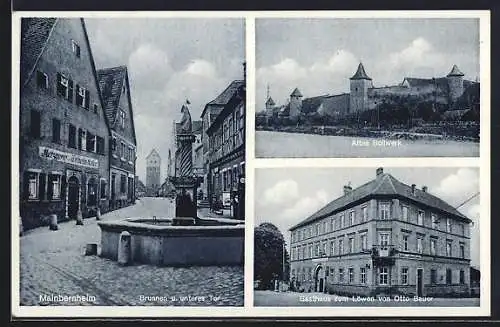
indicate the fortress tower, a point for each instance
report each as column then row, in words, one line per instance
column 360, row 82
column 455, row 83
column 295, row 103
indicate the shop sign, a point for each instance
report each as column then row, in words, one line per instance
column 66, row 157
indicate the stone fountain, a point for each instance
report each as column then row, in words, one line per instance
column 183, row 240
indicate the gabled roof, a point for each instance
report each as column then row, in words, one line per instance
column 223, row 98
column 383, row 185
column 34, row 35
column 111, row 82
column 440, row 83
column 360, row 73
column 455, row 72
column 270, row 102
column 296, row 93
column 153, row 153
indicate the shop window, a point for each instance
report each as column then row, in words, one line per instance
column 404, row 275
column 72, row 136
column 56, row 130
column 35, row 124
column 65, row 87
column 92, row 192
column 42, row 80
column 383, row 275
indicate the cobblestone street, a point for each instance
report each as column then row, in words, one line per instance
column 53, row 264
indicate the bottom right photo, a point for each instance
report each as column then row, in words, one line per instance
column 381, row 236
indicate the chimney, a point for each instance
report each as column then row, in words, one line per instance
column 380, row 171
column 413, row 186
column 424, row 189
column 347, row 189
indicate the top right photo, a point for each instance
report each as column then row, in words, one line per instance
column 367, row 87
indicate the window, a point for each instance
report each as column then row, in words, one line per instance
column 311, row 253
column 404, row 275
column 91, row 142
column 420, row 248
column 82, row 140
column 123, row 183
column 64, row 87
column 91, row 192
column 351, row 275
column 352, row 216
column 325, row 227
column 383, row 239
column 341, row 275
column 342, row 220
column 385, row 211
column 448, row 248
column 35, row 123
column 72, row 136
column 316, row 249
column 96, row 109
column 448, row 225
column 462, row 250
column 434, row 221
column 54, row 187
column 76, row 48
column 317, row 229
column 433, row 246
column 448, row 276
column 433, row 276
column 42, row 80
column 124, row 150
column 405, row 242
column 113, row 144
column 351, row 245
column 462, row 277
column 364, row 211
column 332, row 223
column 56, row 130
column 332, row 247
column 420, row 218
column 82, row 98
column 323, row 249
column 362, row 275
column 99, row 145
column 364, row 241
column 462, row 229
column 383, row 275
column 332, row 273
column 32, row 182
column 341, row 246
column 405, row 213
column 121, row 119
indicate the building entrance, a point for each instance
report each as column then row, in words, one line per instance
column 319, row 279
column 420, row 282
column 73, row 197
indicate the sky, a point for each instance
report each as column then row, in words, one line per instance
column 169, row 60
column 320, row 55
column 286, row 196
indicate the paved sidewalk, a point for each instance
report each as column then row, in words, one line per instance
column 52, row 263
column 207, row 213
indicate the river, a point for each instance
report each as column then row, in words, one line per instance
column 293, row 145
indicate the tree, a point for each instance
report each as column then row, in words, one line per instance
column 269, row 244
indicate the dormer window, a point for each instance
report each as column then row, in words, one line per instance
column 76, row 48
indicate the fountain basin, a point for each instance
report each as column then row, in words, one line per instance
column 159, row 242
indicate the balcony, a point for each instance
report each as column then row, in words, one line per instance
column 383, row 255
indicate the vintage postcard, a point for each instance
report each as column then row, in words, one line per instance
column 367, row 87
column 131, row 166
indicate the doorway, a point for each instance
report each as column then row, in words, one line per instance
column 73, row 195
column 319, row 279
column 420, row 282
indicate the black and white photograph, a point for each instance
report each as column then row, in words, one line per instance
column 369, row 237
column 367, row 87
column 131, row 168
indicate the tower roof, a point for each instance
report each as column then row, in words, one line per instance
column 360, row 73
column 296, row 93
column 270, row 101
column 455, row 72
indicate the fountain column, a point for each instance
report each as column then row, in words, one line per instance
column 184, row 181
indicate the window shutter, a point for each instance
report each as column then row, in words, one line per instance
column 26, row 191
column 58, row 83
column 41, row 186
column 87, row 99
column 78, row 99
column 50, row 190
column 70, row 90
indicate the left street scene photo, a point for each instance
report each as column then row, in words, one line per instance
column 131, row 166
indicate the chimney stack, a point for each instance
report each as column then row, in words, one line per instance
column 413, row 187
column 347, row 189
column 380, row 171
column 424, row 189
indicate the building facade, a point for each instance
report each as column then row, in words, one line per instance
column 223, row 122
column 63, row 164
column 451, row 90
column 115, row 90
column 384, row 237
column 153, row 173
